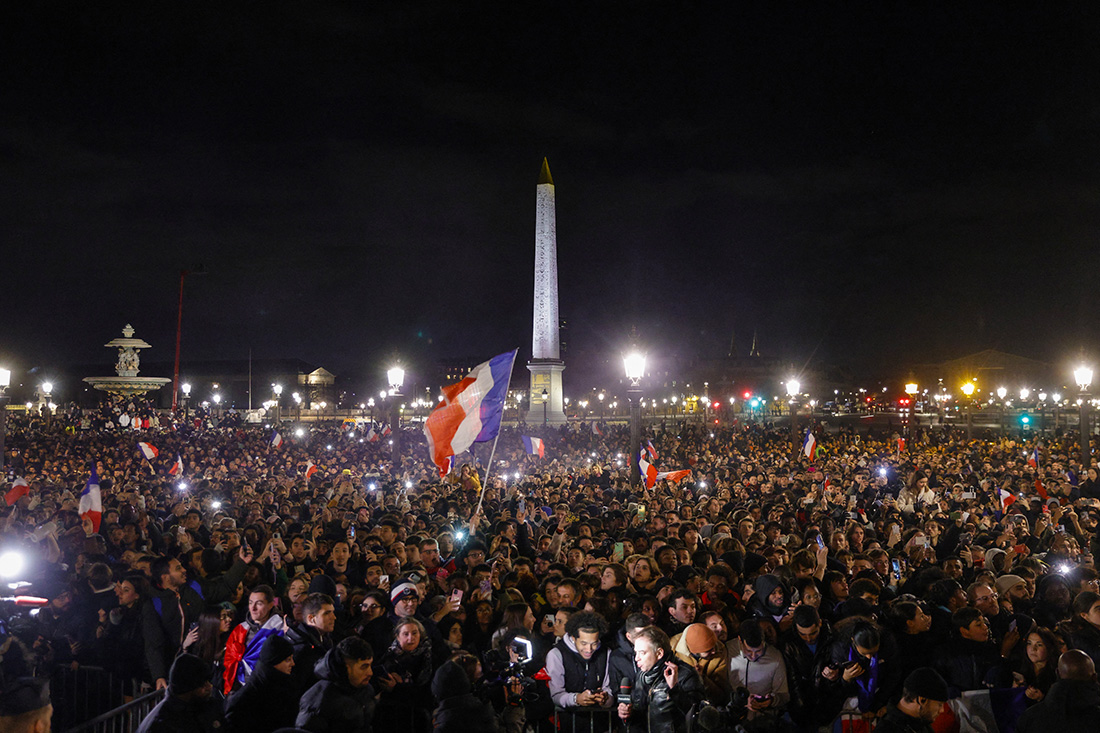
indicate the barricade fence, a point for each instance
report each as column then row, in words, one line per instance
column 123, row 719
column 86, row 692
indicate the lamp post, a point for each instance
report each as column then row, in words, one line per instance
column 186, row 389
column 278, row 390
column 545, row 398
column 47, row 390
column 1083, row 376
column 396, row 377
column 5, row 380
column 1042, row 411
column 370, row 404
column 968, row 390
column 1057, row 405
column 910, row 413
column 793, row 388
column 634, row 364
column 1001, row 394
column 217, row 403
column 600, row 397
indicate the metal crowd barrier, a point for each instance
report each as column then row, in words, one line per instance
column 123, row 719
column 85, row 692
column 593, row 714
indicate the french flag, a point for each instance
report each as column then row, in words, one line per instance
column 447, row 467
column 177, row 467
column 652, row 475
column 386, row 430
column 1033, row 459
column 311, row 468
column 1040, row 489
column 809, row 445
column 148, row 450
column 276, row 440
column 470, row 410
column 651, row 450
column 533, row 445
column 1007, row 499
column 19, row 489
column 596, row 428
column 91, row 503
column 371, row 435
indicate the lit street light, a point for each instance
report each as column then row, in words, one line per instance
column 5, row 381
column 395, row 376
column 278, row 390
column 1083, row 376
column 545, row 399
column 47, row 389
column 968, row 390
column 186, row 389
column 793, row 388
column 634, row 365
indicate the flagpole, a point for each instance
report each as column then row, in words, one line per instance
column 489, row 465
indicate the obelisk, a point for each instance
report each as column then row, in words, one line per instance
column 546, row 365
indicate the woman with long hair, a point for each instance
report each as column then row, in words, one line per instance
column 478, row 629
column 1037, row 669
column 207, row 640
column 515, row 616
column 1082, row 630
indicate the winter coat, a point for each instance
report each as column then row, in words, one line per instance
column 657, row 709
column 1072, row 706
column 268, row 701
column 332, row 705
column 309, row 648
column 459, row 710
column 173, row 715
column 714, row 672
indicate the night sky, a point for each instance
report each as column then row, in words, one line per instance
column 900, row 183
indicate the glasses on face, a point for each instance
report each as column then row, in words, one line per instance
column 986, row 599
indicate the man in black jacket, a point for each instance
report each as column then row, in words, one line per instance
column 269, row 699
column 665, row 690
column 342, row 701
column 966, row 661
column 189, row 706
column 805, row 646
column 1073, row 703
column 311, row 638
column 923, row 695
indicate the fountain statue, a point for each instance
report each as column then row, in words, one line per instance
column 127, row 382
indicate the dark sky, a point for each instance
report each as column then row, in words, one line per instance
column 897, row 182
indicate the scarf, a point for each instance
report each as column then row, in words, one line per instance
column 866, row 684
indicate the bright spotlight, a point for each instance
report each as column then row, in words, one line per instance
column 11, row 564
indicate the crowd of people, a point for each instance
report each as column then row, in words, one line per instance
column 309, row 583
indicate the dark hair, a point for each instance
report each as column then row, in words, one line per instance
column 313, row 603
column 751, row 634
column 265, row 590
column 355, row 649
column 962, row 618
column 806, row 616
column 866, row 635
column 676, row 595
column 657, row 638
column 1084, row 601
column 864, row 585
column 587, row 622
column 635, row 621
column 159, row 568
column 940, row 592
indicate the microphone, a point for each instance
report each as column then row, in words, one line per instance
column 624, row 692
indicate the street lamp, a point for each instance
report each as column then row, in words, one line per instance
column 1083, row 376
column 5, row 381
column 793, row 388
column 47, row 388
column 297, row 406
column 634, row 365
column 278, row 390
column 545, row 399
column 186, row 389
column 1001, row 394
column 370, row 404
column 395, row 376
column 968, row 390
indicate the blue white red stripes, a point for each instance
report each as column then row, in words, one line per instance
column 809, row 445
column 148, row 450
column 534, row 446
column 91, row 503
column 470, row 410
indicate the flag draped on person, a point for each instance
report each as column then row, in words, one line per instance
column 534, row 446
column 652, row 475
column 19, row 489
column 276, row 440
column 470, row 411
column 809, row 445
column 91, row 503
column 177, row 467
column 148, row 450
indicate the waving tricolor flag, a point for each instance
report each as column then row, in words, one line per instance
column 19, row 489
column 276, row 440
column 311, row 468
column 1040, row 489
column 1007, row 499
column 447, row 467
column 470, row 410
column 371, row 435
column 386, row 430
column 91, row 504
column 148, row 450
column 809, row 445
column 651, row 475
column 533, row 445
column 596, row 428
column 1033, row 459
column 651, row 450
column 177, row 467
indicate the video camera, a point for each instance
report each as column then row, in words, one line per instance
column 503, row 667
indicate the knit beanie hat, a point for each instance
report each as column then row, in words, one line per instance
column 276, row 649
column 700, row 639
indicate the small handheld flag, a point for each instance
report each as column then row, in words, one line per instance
column 1033, row 459
column 1007, row 499
column 386, row 430
column 651, row 475
column 148, row 450
column 809, row 445
column 19, row 489
column 596, row 429
column 276, row 440
column 177, row 467
column 91, row 503
column 1042, row 491
column 311, row 468
column 534, row 446
column 371, row 435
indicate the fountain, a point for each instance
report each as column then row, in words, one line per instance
column 127, row 382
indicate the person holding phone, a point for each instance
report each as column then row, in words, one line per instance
column 759, row 667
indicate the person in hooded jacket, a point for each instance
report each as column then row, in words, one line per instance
column 620, row 662
column 342, row 701
column 312, row 637
column 269, row 699
column 459, row 709
column 771, row 599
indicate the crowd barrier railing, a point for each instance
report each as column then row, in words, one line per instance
column 126, row 718
column 85, row 692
